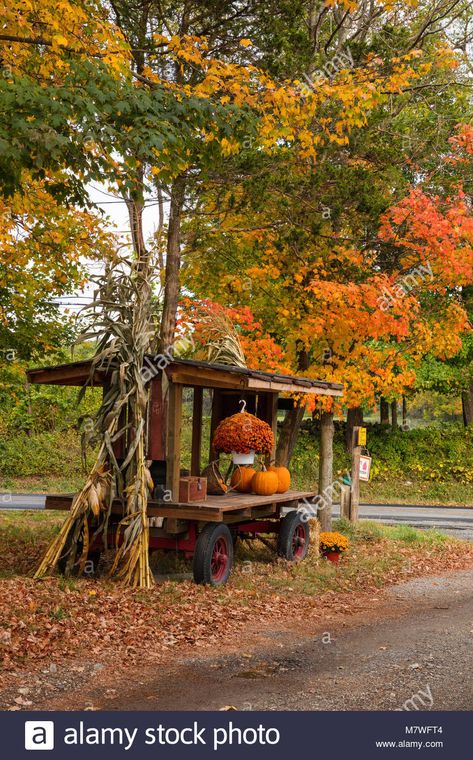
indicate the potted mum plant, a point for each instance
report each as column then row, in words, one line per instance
column 332, row 545
column 243, row 435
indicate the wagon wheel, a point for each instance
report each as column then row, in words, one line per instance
column 294, row 537
column 213, row 555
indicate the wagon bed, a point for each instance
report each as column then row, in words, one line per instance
column 228, row 508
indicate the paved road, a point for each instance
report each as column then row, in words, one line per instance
column 458, row 520
column 22, row 501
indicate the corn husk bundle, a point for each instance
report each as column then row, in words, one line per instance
column 122, row 323
column 216, row 334
column 314, row 527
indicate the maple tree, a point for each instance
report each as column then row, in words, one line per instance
column 292, row 239
column 44, row 247
column 433, row 224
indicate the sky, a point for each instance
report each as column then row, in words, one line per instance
column 116, row 215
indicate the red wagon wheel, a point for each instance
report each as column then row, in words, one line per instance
column 299, row 542
column 219, row 560
column 294, row 537
column 213, row 556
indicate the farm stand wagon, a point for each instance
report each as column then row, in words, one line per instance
column 204, row 530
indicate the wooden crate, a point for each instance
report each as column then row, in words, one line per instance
column 192, row 488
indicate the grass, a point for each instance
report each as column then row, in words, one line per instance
column 368, row 530
column 398, row 491
column 24, row 536
column 376, row 553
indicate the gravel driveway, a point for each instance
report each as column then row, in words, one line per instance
column 411, row 650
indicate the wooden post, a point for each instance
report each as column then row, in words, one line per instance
column 173, row 447
column 355, row 477
column 394, row 414
column 273, row 421
column 326, row 470
column 267, row 410
column 196, row 430
column 156, row 422
column 345, row 502
column 214, row 420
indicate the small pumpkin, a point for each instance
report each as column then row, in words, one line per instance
column 284, row 478
column 242, row 478
column 264, row 483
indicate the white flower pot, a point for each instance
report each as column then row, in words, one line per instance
column 243, row 458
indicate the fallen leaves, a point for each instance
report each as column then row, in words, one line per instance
column 110, row 626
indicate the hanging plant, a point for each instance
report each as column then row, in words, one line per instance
column 243, row 433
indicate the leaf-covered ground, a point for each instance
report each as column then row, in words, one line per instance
column 73, row 621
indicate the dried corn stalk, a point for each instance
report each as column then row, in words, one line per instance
column 122, row 324
column 222, row 342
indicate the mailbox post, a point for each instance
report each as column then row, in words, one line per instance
column 359, row 440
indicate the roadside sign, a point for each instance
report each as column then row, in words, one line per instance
column 362, row 436
column 365, row 467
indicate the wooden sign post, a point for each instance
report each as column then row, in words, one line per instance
column 359, row 439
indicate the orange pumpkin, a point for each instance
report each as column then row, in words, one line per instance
column 242, row 478
column 284, row 478
column 265, row 483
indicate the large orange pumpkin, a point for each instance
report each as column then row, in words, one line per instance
column 242, row 478
column 284, row 478
column 265, row 483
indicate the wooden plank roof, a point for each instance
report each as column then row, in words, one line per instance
column 192, row 373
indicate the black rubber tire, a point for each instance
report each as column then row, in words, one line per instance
column 293, row 530
column 204, row 549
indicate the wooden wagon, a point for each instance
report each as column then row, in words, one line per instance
column 203, row 530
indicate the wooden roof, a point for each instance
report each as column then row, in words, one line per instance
column 192, row 373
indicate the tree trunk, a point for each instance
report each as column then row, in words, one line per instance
column 135, row 213
column 173, row 264
column 467, row 405
column 383, row 411
column 326, row 471
column 394, row 414
column 292, row 421
column 29, row 407
column 354, row 417
column 404, row 413
column 288, row 435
